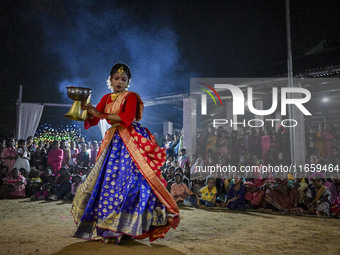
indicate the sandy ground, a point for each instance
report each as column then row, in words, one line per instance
column 41, row 227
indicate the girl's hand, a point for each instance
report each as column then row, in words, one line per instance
column 91, row 110
column 85, row 106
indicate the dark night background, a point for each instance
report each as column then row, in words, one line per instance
column 47, row 45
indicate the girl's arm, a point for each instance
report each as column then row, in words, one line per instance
column 125, row 118
column 93, row 120
column 20, row 152
column 214, row 199
column 197, row 197
column 28, row 155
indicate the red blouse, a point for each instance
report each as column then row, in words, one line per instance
column 127, row 115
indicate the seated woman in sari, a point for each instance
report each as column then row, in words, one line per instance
column 18, row 182
column 283, row 196
column 335, row 210
column 125, row 193
column 235, row 198
column 318, row 197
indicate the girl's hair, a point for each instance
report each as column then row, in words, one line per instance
column 179, row 168
column 126, row 69
column 8, row 140
column 76, row 176
column 179, row 174
column 54, row 142
column 209, row 178
column 21, row 141
column 319, row 176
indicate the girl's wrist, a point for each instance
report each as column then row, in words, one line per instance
column 103, row 116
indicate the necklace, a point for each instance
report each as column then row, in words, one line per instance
column 114, row 96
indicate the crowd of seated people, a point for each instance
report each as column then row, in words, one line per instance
column 54, row 170
column 316, row 192
column 46, row 170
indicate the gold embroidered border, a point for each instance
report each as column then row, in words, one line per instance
column 123, row 222
column 85, row 190
column 149, row 174
column 116, row 107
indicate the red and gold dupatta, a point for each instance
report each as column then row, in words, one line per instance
column 148, row 157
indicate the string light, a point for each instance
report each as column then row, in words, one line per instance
column 47, row 133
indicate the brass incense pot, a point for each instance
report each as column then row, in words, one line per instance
column 78, row 95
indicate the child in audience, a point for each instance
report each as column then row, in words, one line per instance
column 24, row 174
column 33, row 185
column 63, row 188
column 45, row 190
column 46, row 174
column 23, row 157
column 182, row 159
column 235, row 198
column 208, row 193
column 4, row 187
column 76, row 182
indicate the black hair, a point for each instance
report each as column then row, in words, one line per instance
column 126, row 69
column 21, row 141
column 179, row 168
column 210, row 178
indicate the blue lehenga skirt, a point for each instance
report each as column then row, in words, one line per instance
column 122, row 201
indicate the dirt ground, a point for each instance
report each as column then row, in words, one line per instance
column 41, row 227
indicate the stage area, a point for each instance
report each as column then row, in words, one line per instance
column 41, row 227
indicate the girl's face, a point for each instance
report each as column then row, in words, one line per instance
column 15, row 173
column 317, row 183
column 23, row 172
column 30, row 141
column 236, row 180
column 178, row 179
column 119, row 82
column 11, row 143
column 22, row 145
column 211, row 183
column 77, row 180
